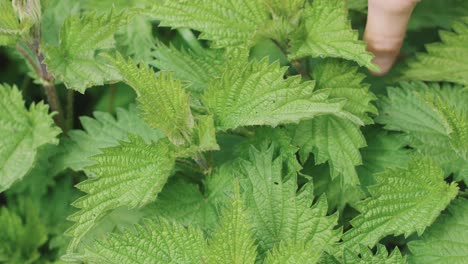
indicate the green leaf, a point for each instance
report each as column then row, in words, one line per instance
column 444, row 61
column 10, row 27
column 285, row 19
column 448, row 11
column 185, row 202
column 39, row 178
column 436, row 127
column 446, row 240
column 118, row 220
column 333, row 138
column 339, row 196
column 161, row 241
column 76, row 61
column 329, row 259
column 206, row 134
column 232, row 241
column 278, row 137
column 403, row 202
column 131, row 174
column 281, row 214
column 197, row 68
column 101, row 132
column 55, row 207
column 22, row 133
column 55, row 12
column 162, row 99
column 285, row 7
column 256, row 93
column 405, row 109
column 344, row 80
column 21, row 234
column 103, row 5
column 384, row 150
column 226, row 24
column 292, row 253
column 326, row 32
column 136, row 39
column 454, row 95
column 458, row 123
column 203, row 138
column 366, row 256
column 156, row 241
column 16, row 18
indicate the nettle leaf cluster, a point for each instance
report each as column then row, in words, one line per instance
column 255, row 136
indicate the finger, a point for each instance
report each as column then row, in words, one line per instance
column 385, row 30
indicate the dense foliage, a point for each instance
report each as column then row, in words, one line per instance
column 240, row 131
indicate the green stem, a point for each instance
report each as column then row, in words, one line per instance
column 70, row 108
column 48, row 83
column 191, row 40
column 295, row 63
column 187, row 164
column 51, row 93
column 202, row 162
column 36, row 62
column 300, row 69
column 243, row 132
column 113, row 93
column 25, row 83
column 55, row 106
column 31, row 61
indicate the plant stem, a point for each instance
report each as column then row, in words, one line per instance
column 28, row 58
column 25, row 83
column 191, row 40
column 48, row 83
column 51, row 93
column 300, row 69
column 189, row 165
column 113, row 93
column 47, row 80
column 70, row 109
column 281, row 47
column 201, row 162
column 295, row 63
column 54, row 102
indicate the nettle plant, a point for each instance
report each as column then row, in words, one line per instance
column 254, row 138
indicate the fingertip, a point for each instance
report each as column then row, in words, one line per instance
column 385, row 50
column 385, row 63
column 385, row 30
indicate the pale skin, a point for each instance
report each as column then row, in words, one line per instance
column 385, row 30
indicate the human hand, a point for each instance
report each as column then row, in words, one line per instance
column 385, row 30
